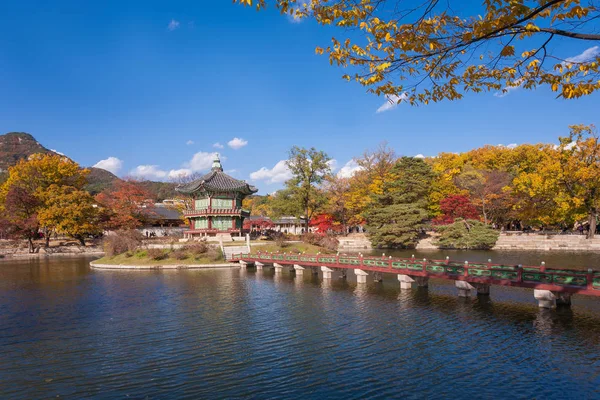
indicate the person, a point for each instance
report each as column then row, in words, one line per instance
column 580, row 229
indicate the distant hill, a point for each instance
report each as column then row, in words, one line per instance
column 15, row 146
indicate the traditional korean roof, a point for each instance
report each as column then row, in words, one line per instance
column 217, row 181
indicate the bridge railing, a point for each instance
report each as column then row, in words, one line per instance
column 576, row 279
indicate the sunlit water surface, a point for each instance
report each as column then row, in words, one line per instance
column 69, row 331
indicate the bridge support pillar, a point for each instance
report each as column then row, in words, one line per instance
column 326, row 272
column 545, row 298
column 361, row 276
column 243, row 264
column 563, row 299
column 482, row 289
column 299, row 269
column 422, row 281
column 259, row 266
column 278, row 268
column 405, row 281
column 464, row 288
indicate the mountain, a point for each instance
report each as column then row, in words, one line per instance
column 15, row 146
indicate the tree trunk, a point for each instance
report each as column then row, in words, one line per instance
column 592, row 223
column 81, row 240
column 30, row 241
column 306, row 220
column 47, row 239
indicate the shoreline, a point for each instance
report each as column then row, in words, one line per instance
column 94, row 265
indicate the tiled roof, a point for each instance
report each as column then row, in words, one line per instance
column 217, row 181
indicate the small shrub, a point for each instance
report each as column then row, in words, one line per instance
column 329, row 242
column 121, row 241
column 196, row 249
column 157, row 254
column 179, row 254
column 141, row 254
column 215, row 254
column 128, row 254
column 281, row 242
column 466, row 234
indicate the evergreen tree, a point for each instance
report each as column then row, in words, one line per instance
column 398, row 215
column 467, row 234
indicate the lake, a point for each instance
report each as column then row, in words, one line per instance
column 69, row 331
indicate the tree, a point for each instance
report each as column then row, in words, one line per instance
column 325, row 223
column 487, row 189
column 428, row 52
column 20, row 214
column 36, row 175
column 467, row 234
column 309, row 169
column 70, row 211
column 397, row 216
column 456, row 206
column 127, row 205
column 580, row 166
column 337, row 192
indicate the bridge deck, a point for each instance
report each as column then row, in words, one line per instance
column 540, row 277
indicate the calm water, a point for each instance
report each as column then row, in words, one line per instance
column 68, row 331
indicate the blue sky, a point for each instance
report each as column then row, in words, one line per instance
column 156, row 84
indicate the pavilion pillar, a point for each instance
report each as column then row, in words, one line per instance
column 326, row 272
column 464, row 288
column 361, row 276
column 259, row 266
column 278, row 268
column 545, row 298
column 299, row 270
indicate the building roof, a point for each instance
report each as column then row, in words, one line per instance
column 290, row 220
column 217, row 181
column 162, row 213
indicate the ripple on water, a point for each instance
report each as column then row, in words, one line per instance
column 223, row 334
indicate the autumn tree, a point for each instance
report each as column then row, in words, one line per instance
column 126, row 205
column 20, row 214
column 37, row 175
column 580, row 167
column 487, row 189
column 337, row 190
column 309, row 168
column 427, row 51
column 397, row 216
column 456, row 206
column 71, row 212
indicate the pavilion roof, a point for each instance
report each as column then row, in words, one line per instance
column 217, row 181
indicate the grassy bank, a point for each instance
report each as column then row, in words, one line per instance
column 295, row 247
column 164, row 257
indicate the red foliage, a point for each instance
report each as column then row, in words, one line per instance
column 456, row 206
column 324, row 223
column 128, row 205
column 258, row 224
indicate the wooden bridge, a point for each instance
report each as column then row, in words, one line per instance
column 551, row 286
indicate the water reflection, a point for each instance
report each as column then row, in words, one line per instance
column 66, row 330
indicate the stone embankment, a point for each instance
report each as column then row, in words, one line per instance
column 23, row 251
column 355, row 241
column 147, row 267
column 507, row 241
column 527, row 241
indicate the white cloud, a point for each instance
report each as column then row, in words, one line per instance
column 419, row 156
column 510, row 88
column 179, row 173
column 55, row 151
column 237, row 143
column 218, row 145
column 148, row 172
column 111, row 164
column 333, row 164
column 349, row 169
column 391, row 102
column 173, row 25
column 278, row 174
column 189, row 142
column 587, row 55
column 201, row 161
